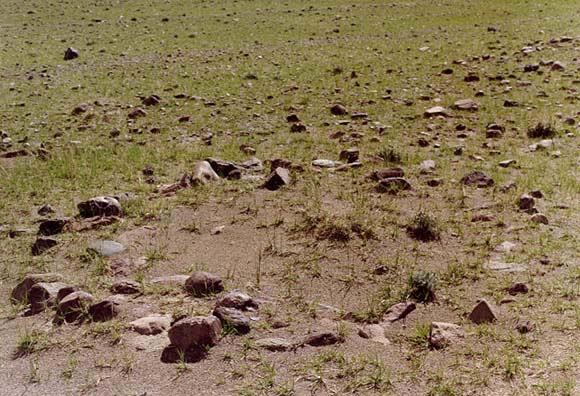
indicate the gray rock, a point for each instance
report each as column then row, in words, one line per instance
column 21, row 293
column 399, row 311
column 100, row 206
column 326, row 163
column 499, row 266
column 274, row 344
column 202, row 283
column 151, row 325
column 106, row 248
column 373, row 332
column 126, row 286
column 435, row 111
column 482, row 313
column 443, row 334
column 221, row 167
column 253, row 164
column 233, row 318
column 428, row 166
column 195, row 331
column 237, row 299
column 466, row 104
column 278, row 178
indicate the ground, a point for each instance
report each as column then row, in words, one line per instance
column 328, row 251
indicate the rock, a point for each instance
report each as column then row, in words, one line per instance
column 540, row 218
column 52, row 226
column 298, row 127
column 556, row 66
column 65, row 291
column 478, row 179
column 172, row 280
column 442, row 334
column 373, row 332
column 15, row 154
column 106, row 248
column 349, row 155
column 104, row 311
column 517, row 288
column 45, row 210
column 292, row 118
column 506, row 163
column 482, row 217
column 74, row 306
column 237, row 299
column 80, row 109
column 505, row 247
column 466, row 104
column 427, row 166
column 399, row 311
column 392, row 185
column 41, row 245
column 499, row 266
column 278, row 178
column 21, row 293
column 126, row 286
column 151, row 100
column 92, row 223
column 43, row 295
column 137, row 112
column 345, row 167
column 233, row 318
column 201, row 284
column 326, row 163
column 322, row 338
column 338, row 109
column 537, row 194
column 203, row 173
column 100, row 206
column 221, row 167
column 511, row 103
column 70, row 54
column 274, row 344
column 531, row 67
column 253, row 164
column 508, row 186
column 482, row 313
column 197, row 331
column 151, row 325
column 526, row 202
column 193, row 354
column 387, row 173
column 524, row 326
column 435, row 111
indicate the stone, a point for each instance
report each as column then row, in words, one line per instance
column 349, row 155
column 537, row 194
column 443, row 334
column 556, row 66
column 197, row 331
column 45, row 210
column 233, row 318
column 505, row 247
column 427, row 166
column 100, row 206
column 482, row 217
column 74, row 306
column 526, row 202
column 387, row 173
column 203, row 173
column 41, row 245
column 322, row 338
column 253, row 164
column 106, row 248
column 435, row 111
column 137, row 112
column 540, row 218
column 202, row 283
column 43, row 295
column 338, row 109
column 278, row 178
column 21, row 293
column 151, row 100
column 482, row 313
column 274, row 344
column 524, row 326
column 506, row 163
column 151, row 325
column 15, row 154
column 392, row 185
column 221, row 167
column 292, row 118
column 326, row 163
column 466, row 104
column 71, row 54
column 171, row 280
column 104, row 311
column 478, row 179
column 126, row 286
column 237, row 299
column 499, row 266
column 399, row 311
column 517, row 288
column 80, row 109
column 52, row 226
column 298, row 127
column 65, row 291
column 373, row 332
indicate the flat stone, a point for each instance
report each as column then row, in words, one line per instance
column 237, row 299
column 274, row 344
column 399, row 311
column 326, row 163
column 373, row 332
column 466, row 104
column 443, row 334
column 477, row 178
column 107, row 248
column 499, row 266
column 151, row 325
column 171, row 280
column 435, row 111
column 126, row 286
column 203, row 173
column 322, row 338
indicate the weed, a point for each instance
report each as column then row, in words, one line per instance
column 421, row 286
column 390, row 155
column 542, row 131
column 420, row 336
column 424, row 227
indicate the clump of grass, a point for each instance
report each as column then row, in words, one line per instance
column 391, row 155
column 421, row 286
column 424, row 227
column 30, row 342
column 420, row 336
column 542, row 131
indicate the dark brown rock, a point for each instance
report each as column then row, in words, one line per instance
column 393, row 185
column 517, row 288
column 322, row 338
column 137, row 112
column 237, row 299
column 477, row 178
column 43, row 295
column 104, row 311
column 21, row 293
column 278, row 178
column 195, row 331
column 71, row 54
column 482, row 313
column 387, row 173
column 100, row 206
column 233, row 318
column 349, row 155
column 202, row 284
column 526, row 202
column 399, row 311
column 338, row 109
column 41, row 245
column 221, row 167
column 151, row 100
column 52, row 226
column 74, row 306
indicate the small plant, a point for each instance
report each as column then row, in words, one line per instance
column 420, row 336
column 390, row 155
column 421, row 286
column 424, row 227
column 542, row 131
column 29, row 342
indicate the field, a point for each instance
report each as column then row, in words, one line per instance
column 160, row 86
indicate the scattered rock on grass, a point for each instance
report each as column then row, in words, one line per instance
column 478, row 179
column 237, row 299
column 21, row 293
column 41, row 245
column 202, row 283
column 43, row 295
column 278, row 178
column 275, row 344
column 392, row 185
column 52, row 226
column 322, row 338
column 482, row 313
column 74, row 306
column 100, row 206
column 71, row 54
column 517, row 288
column 399, row 311
column 126, row 286
column 103, row 311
